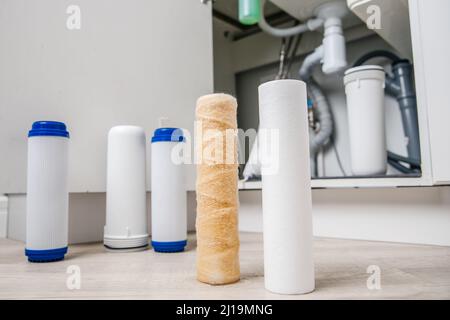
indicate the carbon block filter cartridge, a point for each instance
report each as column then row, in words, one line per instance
column 47, row 192
column 169, row 213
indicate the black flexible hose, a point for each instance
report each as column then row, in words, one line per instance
column 375, row 54
column 396, row 157
column 400, row 167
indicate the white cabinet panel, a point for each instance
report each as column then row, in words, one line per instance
column 394, row 18
column 131, row 62
column 430, row 26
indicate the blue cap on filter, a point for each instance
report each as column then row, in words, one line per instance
column 46, row 255
column 310, row 104
column 169, row 247
column 168, row 135
column 48, row 128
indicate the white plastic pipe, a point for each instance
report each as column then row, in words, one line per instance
column 310, row 25
column 286, row 181
column 335, row 52
column 310, row 62
column 126, row 213
column 364, row 87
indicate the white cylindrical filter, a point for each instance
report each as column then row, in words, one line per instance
column 364, row 87
column 47, row 192
column 126, row 213
column 169, row 213
column 286, row 187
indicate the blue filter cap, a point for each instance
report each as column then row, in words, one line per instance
column 48, row 128
column 169, row 247
column 46, row 255
column 168, row 135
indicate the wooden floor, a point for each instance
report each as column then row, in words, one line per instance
column 407, row 272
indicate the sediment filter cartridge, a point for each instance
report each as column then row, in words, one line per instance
column 286, row 187
column 217, row 190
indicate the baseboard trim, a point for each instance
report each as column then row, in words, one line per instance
column 3, row 216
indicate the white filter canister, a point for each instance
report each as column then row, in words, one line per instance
column 169, row 213
column 126, row 212
column 364, row 87
column 47, row 192
column 286, row 187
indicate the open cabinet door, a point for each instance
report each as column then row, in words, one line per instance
column 94, row 65
column 430, row 25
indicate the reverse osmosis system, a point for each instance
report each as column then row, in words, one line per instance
column 365, row 91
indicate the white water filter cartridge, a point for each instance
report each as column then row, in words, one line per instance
column 286, row 187
column 126, row 212
column 364, row 87
column 169, row 212
column 47, row 192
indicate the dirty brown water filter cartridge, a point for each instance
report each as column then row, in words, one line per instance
column 217, row 190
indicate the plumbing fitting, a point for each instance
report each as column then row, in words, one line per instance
column 335, row 55
column 402, row 87
column 328, row 15
column 310, row 62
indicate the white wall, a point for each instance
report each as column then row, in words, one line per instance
column 86, row 216
column 131, row 62
column 409, row 215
